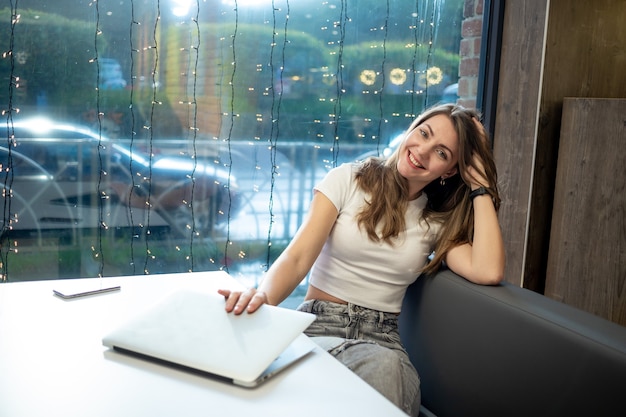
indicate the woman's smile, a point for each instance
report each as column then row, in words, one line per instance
column 414, row 161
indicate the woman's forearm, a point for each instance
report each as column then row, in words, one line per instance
column 488, row 256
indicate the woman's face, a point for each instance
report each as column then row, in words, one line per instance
column 429, row 151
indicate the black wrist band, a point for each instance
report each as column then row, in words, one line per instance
column 477, row 192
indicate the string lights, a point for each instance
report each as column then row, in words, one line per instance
column 263, row 97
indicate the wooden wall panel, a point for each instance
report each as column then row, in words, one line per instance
column 585, row 56
column 550, row 50
column 587, row 256
column 515, row 129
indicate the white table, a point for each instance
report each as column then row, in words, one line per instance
column 52, row 362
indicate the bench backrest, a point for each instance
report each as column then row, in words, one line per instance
column 507, row 351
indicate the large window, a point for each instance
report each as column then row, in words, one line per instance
column 176, row 135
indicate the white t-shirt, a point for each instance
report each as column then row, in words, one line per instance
column 358, row 270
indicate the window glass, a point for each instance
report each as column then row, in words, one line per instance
column 186, row 135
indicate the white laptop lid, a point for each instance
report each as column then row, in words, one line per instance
column 192, row 329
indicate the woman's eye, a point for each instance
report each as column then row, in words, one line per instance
column 423, row 133
column 442, row 154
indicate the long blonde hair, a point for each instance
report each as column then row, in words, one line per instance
column 448, row 204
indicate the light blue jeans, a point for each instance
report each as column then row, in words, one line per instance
column 367, row 342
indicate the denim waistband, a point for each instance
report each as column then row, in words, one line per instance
column 349, row 309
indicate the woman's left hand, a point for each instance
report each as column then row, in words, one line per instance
column 477, row 175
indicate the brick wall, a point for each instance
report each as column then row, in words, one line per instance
column 471, row 31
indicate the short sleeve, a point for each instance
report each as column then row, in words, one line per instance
column 338, row 184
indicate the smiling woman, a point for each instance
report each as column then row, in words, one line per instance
column 369, row 234
column 211, row 121
column 429, row 151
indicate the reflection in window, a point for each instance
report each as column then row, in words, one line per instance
column 209, row 121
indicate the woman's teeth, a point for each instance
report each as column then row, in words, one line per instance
column 414, row 161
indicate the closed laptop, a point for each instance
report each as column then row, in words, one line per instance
column 192, row 330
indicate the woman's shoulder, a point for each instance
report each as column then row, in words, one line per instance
column 353, row 173
column 339, row 184
column 348, row 167
column 344, row 170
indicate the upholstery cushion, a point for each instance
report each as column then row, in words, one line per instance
column 507, row 351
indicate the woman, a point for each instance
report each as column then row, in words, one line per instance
column 370, row 231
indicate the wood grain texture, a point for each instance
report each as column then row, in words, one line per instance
column 515, row 129
column 587, row 256
column 585, row 56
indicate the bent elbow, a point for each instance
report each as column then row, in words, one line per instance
column 493, row 274
column 494, row 277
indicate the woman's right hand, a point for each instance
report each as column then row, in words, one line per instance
column 293, row 263
column 239, row 301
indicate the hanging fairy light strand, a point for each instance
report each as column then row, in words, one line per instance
column 133, row 126
column 429, row 34
column 13, row 84
column 275, row 115
column 429, row 55
column 195, row 48
column 381, row 116
column 231, row 127
column 416, row 45
column 102, row 196
column 339, row 80
column 153, row 104
column 189, row 61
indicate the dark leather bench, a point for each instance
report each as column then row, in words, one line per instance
column 504, row 351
